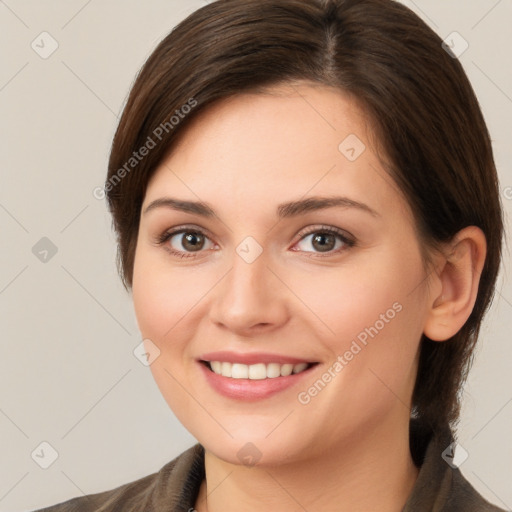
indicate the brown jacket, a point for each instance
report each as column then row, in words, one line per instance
column 439, row 487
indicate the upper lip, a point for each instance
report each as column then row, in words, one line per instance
column 252, row 358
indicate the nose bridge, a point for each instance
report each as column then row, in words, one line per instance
column 249, row 295
column 248, row 280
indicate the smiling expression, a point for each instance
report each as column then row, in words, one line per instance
column 264, row 250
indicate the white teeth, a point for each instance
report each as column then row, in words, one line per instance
column 226, row 369
column 273, row 370
column 216, row 367
column 286, row 370
column 239, row 371
column 258, row 371
column 300, row 367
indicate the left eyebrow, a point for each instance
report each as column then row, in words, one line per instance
column 294, row 208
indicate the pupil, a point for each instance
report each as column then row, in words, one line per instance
column 191, row 241
column 322, row 238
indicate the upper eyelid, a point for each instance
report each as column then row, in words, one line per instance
column 320, row 228
column 185, row 228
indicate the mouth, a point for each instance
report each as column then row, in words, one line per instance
column 249, row 377
column 258, row 371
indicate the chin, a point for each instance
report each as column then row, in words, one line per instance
column 259, row 452
column 249, row 447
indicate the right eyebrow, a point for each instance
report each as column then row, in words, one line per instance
column 196, row 207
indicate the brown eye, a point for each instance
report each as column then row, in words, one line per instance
column 185, row 242
column 323, row 242
column 190, row 241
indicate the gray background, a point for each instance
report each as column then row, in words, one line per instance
column 68, row 373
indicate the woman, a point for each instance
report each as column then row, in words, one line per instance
column 308, row 217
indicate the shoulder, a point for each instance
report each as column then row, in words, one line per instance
column 440, row 485
column 459, row 494
column 163, row 487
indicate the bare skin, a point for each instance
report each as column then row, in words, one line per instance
column 345, row 447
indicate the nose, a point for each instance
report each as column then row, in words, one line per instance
column 251, row 298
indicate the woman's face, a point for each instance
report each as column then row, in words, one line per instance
column 263, row 277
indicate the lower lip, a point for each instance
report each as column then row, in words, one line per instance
column 248, row 389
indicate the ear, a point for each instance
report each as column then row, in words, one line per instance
column 455, row 284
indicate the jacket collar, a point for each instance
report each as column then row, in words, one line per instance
column 440, row 486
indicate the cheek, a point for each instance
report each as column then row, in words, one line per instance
column 372, row 343
column 161, row 298
column 372, row 295
column 372, row 319
column 162, row 301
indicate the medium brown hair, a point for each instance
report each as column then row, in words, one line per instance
column 426, row 116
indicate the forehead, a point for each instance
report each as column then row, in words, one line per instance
column 291, row 116
column 291, row 139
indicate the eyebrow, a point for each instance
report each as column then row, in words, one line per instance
column 284, row 210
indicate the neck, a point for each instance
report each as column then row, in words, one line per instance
column 371, row 471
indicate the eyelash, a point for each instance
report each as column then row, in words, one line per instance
column 348, row 242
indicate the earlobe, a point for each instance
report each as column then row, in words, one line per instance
column 457, row 278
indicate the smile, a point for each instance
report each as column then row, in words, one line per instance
column 257, row 371
column 249, row 377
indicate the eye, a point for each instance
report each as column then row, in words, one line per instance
column 183, row 242
column 325, row 239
